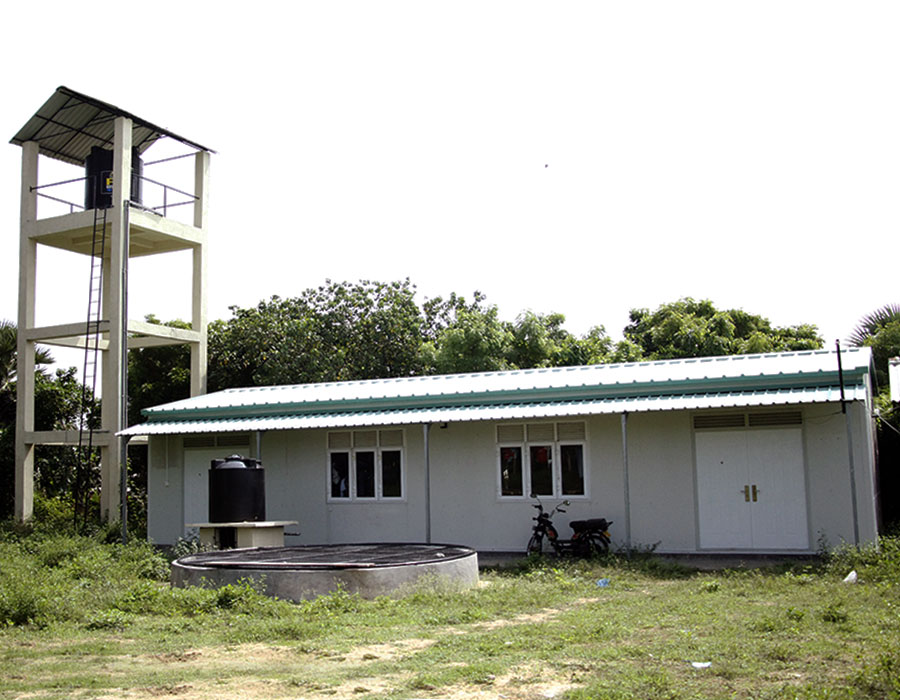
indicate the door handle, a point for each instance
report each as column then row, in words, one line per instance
column 746, row 491
column 755, row 491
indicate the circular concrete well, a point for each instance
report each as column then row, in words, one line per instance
column 304, row 572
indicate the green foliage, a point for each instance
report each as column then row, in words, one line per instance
column 108, row 620
column 336, row 332
column 8, row 351
column 476, row 341
column 372, row 330
column 873, row 563
column 541, row 341
column 880, row 677
column 880, row 330
column 158, row 375
column 834, row 612
column 57, row 407
column 47, row 579
column 689, row 328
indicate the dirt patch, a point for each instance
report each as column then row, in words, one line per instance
column 387, row 652
column 242, row 670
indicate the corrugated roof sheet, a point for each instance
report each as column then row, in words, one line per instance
column 514, row 411
column 70, row 123
column 669, row 376
column 744, row 380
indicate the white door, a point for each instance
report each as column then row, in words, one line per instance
column 725, row 520
column 751, row 489
column 196, row 483
column 777, row 489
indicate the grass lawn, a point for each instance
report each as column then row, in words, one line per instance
column 84, row 620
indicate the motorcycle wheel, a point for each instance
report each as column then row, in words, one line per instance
column 535, row 545
column 598, row 545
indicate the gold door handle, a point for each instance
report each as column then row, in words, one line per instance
column 746, row 491
column 754, row 493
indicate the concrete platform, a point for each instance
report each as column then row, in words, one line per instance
column 305, row 572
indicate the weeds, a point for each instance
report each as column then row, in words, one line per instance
column 96, row 619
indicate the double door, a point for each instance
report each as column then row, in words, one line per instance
column 751, row 489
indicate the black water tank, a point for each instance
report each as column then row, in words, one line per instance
column 98, row 178
column 237, row 490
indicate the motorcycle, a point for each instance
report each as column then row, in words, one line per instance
column 589, row 537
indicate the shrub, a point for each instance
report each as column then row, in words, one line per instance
column 108, row 620
column 31, row 594
column 872, row 562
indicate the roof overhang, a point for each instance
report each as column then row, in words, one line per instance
column 69, row 124
column 495, row 412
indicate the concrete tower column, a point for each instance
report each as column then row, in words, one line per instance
column 24, row 478
column 115, row 311
column 198, row 282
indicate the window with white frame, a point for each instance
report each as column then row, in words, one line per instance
column 365, row 465
column 544, row 459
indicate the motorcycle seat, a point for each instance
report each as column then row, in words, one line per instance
column 589, row 524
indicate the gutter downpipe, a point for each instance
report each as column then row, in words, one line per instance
column 849, row 423
column 626, row 489
column 426, row 432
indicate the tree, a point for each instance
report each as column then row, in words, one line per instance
column 596, row 346
column 472, row 338
column 879, row 330
column 476, row 341
column 57, row 406
column 541, row 341
column 338, row 331
column 8, row 353
column 689, row 328
column 57, row 400
column 158, row 375
column 438, row 313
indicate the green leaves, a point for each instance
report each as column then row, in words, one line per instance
column 689, row 328
column 335, row 332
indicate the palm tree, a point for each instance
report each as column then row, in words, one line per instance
column 8, row 348
column 870, row 324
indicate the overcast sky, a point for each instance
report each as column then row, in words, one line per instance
column 580, row 157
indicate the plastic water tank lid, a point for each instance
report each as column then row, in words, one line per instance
column 235, row 462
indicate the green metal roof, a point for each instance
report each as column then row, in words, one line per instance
column 716, row 382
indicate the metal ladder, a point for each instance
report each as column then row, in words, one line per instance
column 86, row 457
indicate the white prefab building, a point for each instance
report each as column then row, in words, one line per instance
column 752, row 453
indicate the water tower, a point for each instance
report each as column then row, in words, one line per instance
column 110, row 223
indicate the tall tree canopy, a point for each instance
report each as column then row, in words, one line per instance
column 689, row 328
column 370, row 330
column 336, row 332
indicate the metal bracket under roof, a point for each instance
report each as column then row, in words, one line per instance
column 69, row 124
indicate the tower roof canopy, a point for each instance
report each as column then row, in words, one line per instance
column 69, row 124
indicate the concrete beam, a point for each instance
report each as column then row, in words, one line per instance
column 156, row 330
column 63, row 330
column 68, row 438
